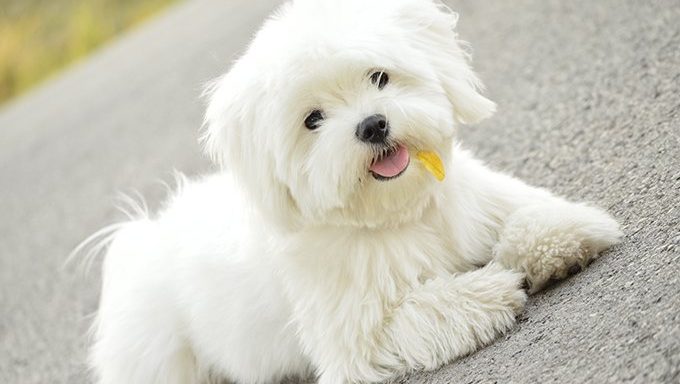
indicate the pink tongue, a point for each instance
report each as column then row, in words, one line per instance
column 393, row 164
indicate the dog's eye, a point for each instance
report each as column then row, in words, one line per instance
column 314, row 119
column 380, row 79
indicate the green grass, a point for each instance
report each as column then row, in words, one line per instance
column 38, row 37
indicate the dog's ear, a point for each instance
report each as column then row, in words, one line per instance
column 235, row 138
column 435, row 35
column 224, row 118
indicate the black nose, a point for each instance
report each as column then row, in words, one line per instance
column 374, row 129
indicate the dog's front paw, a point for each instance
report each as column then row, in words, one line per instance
column 501, row 298
column 553, row 241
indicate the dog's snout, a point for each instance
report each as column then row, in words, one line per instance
column 374, row 129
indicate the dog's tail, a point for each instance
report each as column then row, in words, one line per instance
column 133, row 206
column 135, row 209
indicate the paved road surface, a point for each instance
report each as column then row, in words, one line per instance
column 589, row 106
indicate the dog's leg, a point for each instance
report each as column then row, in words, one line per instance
column 138, row 332
column 530, row 230
column 441, row 320
column 117, row 360
column 553, row 239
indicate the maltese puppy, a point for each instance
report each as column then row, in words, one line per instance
column 348, row 236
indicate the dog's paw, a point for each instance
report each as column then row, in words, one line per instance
column 553, row 241
column 501, row 298
column 506, row 284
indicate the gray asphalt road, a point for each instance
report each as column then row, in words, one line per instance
column 589, row 106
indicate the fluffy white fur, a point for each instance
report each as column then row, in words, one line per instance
column 294, row 260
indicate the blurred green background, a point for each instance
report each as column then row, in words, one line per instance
column 38, row 37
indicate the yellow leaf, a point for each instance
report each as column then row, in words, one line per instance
column 432, row 163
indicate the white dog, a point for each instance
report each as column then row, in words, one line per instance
column 328, row 245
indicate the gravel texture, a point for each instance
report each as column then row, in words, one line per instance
column 589, row 107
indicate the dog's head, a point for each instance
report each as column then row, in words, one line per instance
column 321, row 117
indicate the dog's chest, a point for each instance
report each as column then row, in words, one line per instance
column 349, row 280
column 385, row 260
